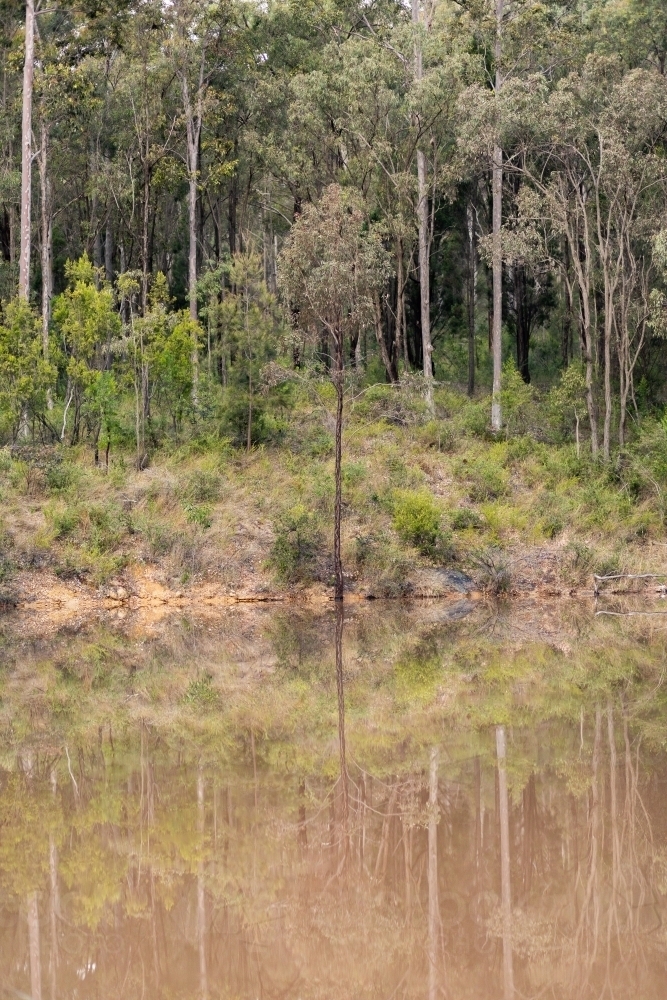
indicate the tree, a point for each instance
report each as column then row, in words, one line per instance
column 331, row 266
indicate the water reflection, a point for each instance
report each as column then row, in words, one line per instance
column 500, row 860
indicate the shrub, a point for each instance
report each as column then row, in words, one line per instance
column 488, row 480
column 201, row 487
column 296, row 546
column 417, row 521
column 494, row 571
column 464, row 518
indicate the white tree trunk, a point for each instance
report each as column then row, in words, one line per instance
column 424, row 240
column 47, row 237
column 26, row 151
column 497, row 212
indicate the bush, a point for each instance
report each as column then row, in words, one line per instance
column 296, row 547
column 494, row 571
column 201, row 487
column 417, row 521
column 488, row 480
column 464, row 518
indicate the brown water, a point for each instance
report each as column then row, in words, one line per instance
column 420, row 817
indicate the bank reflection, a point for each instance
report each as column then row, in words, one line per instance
column 150, row 871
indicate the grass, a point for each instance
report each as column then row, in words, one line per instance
column 418, row 490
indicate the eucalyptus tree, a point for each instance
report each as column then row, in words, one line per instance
column 331, row 266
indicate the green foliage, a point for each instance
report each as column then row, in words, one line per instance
column 26, row 376
column 295, row 550
column 418, row 520
column 516, row 398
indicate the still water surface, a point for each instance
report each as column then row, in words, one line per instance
column 283, row 807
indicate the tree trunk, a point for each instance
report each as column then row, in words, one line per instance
column 338, row 380
column 608, row 329
column 108, row 251
column 424, row 241
column 26, row 151
column 506, row 888
column 472, row 293
column 47, row 238
column 522, row 321
column 497, row 212
column 388, row 362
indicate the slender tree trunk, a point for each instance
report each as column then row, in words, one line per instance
column 506, row 888
column 608, row 330
column 26, row 151
column 472, row 293
column 497, row 262
column 144, row 238
column 47, row 237
column 108, row 251
column 387, row 361
column 424, row 240
column 338, row 379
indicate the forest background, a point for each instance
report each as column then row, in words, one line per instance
column 228, row 232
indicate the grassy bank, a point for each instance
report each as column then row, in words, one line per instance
column 419, row 492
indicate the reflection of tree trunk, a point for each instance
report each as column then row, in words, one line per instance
column 433, row 904
column 341, row 728
column 581, row 966
column 478, row 817
column 201, row 899
column 506, row 888
column 33, row 936
column 54, row 902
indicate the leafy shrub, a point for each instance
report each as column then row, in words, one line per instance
column 198, row 514
column 552, row 525
column 464, row 518
column 296, row 546
column 64, row 521
column 200, row 692
column 59, row 476
column 201, row 487
column 516, row 397
column 418, row 521
column 437, row 434
column 488, row 480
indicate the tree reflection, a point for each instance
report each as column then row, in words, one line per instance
column 236, row 877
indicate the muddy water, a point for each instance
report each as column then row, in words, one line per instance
column 289, row 808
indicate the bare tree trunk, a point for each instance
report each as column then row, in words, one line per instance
column 472, row 292
column 193, row 122
column 424, row 240
column 608, row 328
column 497, row 214
column 506, row 887
column 433, row 903
column 389, row 363
column 47, row 238
column 338, row 379
column 108, row 251
column 26, row 151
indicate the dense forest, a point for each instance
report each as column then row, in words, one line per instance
column 504, row 165
column 348, row 235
